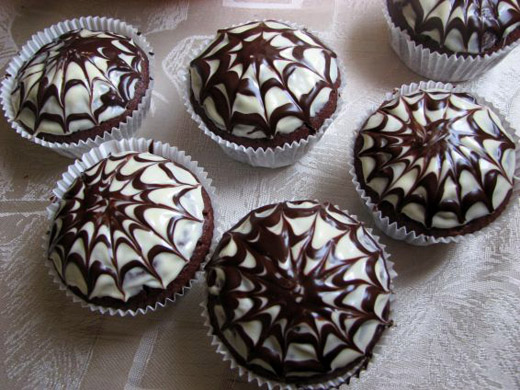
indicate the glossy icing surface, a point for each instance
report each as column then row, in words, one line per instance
column 299, row 291
column 80, row 80
column 130, row 222
column 264, row 78
column 459, row 26
column 437, row 157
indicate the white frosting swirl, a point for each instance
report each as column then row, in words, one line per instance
column 130, row 222
column 263, row 78
column 439, row 158
column 82, row 79
column 299, row 290
column 461, row 26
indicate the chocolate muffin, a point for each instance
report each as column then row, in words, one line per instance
column 436, row 162
column 80, row 86
column 131, row 231
column 463, row 27
column 299, row 293
column 264, row 84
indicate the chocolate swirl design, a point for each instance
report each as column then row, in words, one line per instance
column 437, row 161
column 459, row 26
column 131, row 227
column 264, row 80
column 299, row 292
column 81, row 80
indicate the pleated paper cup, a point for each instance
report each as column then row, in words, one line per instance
column 330, row 384
column 90, row 159
column 126, row 128
column 437, row 66
column 276, row 157
column 400, row 232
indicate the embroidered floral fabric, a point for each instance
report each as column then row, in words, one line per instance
column 456, row 308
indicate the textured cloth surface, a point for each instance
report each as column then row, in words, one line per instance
column 456, row 308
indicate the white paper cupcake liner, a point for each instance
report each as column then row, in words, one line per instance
column 437, row 66
column 392, row 229
column 279, row 156
column 345, row 378
column 125, row 130
column 90, row 159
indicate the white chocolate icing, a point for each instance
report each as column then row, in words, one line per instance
column 299, row 282
column 439, row 158
column 286, row 78
column 461, row 26
column 82, row 79
column 130, row 222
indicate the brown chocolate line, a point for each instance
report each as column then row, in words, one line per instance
column 488, row 23
column 435, row 141
column 279, row 286
column 72, row 48
column 94, row 184
column 255, row 53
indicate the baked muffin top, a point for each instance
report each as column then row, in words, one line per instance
column 264, row 79
column 459, row 26
column 128, row 224
column 299, row 292
column 436, row 159
column 79, row 81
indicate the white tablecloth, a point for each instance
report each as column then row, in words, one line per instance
column 457, row 307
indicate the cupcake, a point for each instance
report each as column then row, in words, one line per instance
column 264, row 85
column 434, row 164
column 130, row 231
column 453, row 40
column 78, row 86
column 298, row 295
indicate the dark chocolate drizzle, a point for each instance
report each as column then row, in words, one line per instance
column 74, row 48
column 260, row 53
column 439, row 142
column 486, row 20
column 298, row 284
column 90, row 200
